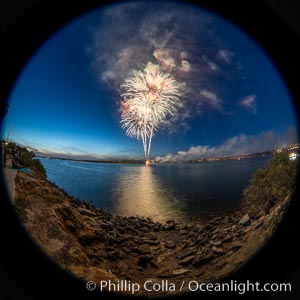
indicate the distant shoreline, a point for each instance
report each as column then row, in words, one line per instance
column 94, row 161
column 194, row 161
column 286, row 149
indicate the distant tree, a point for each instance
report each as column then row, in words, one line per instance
column 271, row 184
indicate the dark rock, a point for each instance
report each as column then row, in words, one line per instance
column 157, row 227
column 199, row 261
column 150, row 242
column 236, row 246
column 240, row 233
column 153, row 264
column 152, row 237
column 143, row 249
column 87, row 237
column 208, row 227
column 186, row 253
column 114, row 255
column 227, row 239
column 165, row 274
column 191, row 235
column 106, row 226
column 259, row 224
column 100, row 235
column 144, row 259
column 144, row 229
column 170, row 221
column 170, row 226
column 170, row 245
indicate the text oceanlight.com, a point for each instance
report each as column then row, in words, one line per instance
column 191, row 285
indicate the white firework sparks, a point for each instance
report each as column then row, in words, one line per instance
column 149, row 97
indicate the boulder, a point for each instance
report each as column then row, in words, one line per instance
column 203, row 260
column 187, row 260
column 245, row 220
column 218, row 250
column 144, row 259
column 170, row 245
column 180, row 271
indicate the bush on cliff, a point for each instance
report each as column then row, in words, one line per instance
column 26, row 159
column 271, row 184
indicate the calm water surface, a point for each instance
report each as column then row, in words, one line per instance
column 161, row 192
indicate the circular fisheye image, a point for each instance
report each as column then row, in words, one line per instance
column 147, row 147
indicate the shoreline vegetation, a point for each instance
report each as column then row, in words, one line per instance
column 95, row 245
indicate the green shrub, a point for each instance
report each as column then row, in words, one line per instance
column 271, row 184
column 26, row 160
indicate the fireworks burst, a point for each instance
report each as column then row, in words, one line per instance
column 149, row 97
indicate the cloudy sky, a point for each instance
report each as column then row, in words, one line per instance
column 233, row 100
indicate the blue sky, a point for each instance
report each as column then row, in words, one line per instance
column 67, row 98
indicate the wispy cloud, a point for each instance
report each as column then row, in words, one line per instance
column 249, row 103
column 225, row 56
column 236, row 145
column 211, row 99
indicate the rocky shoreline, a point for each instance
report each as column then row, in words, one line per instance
column 95, row 245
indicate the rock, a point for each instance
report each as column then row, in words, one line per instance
column 170, row 245
column 105, row 226
column 187, row 260
column 86, row 212
column 87, row 237
column 203, row 260
column 170, row 226
column 152, row 237
column 165, row 274
column 170, row 221
column 143, row 249
column 186, row 253
column 218, row 250
column 258, row 224
column 216, row 243
column 156, row 228
column 214, row 236
column 236, row 246
column 100, row 235
column 245, row 220
column 180, row 271
column 227, row 239
column 183, row 232
column 150, row 242
column 191, row 235
column 144, row 259
column 144, row 229
column 216, row 220
column 208, row 227
column 69, row 218
column 114, row 255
